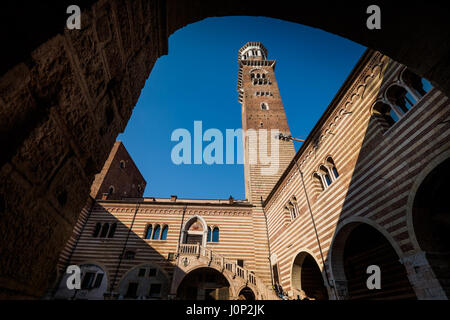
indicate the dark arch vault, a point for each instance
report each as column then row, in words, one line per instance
column 65, row 95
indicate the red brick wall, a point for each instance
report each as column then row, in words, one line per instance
column 127, row 180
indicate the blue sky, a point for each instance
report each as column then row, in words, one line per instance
column 197, row 81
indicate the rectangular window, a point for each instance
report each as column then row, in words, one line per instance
column 240, row 263
column 152, row 273
column 132, row 290
column 155, row 290
column 141, row 273
column 88, row 280
column 98, row 280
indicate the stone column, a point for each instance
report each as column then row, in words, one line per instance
column 422, row 277
column 341, row 290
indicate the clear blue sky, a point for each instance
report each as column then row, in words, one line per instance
column 197, row 81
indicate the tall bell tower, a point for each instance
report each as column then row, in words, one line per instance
column 262, row 112
column 263, row 117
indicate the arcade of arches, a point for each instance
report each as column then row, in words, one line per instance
column 65, row 96
column 204, row 284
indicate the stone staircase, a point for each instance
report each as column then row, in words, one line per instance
column 240, row 276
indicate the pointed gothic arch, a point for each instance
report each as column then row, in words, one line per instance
column 189, row 235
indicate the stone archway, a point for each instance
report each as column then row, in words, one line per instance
column 145, row 281
column 307, row 279
column 431, row 221
column 67, row 94
column 204, row 284
column 246, row 294
column 397, row 38
column 357, row 246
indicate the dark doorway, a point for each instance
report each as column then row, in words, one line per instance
column 307, row 278
column 204, row 284
column 246, row 294
column 366, row 246
column 431, row 221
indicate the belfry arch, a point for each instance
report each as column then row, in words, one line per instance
column 76, row 90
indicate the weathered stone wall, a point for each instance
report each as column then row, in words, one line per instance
column 64, row 97
column 60, row 114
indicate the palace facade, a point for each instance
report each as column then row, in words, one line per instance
column 366, row 188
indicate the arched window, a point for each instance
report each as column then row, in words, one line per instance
column 148, row 233
column 263, row 75
column 287, row 210
column 112, row 230
column 384, row 112
column 122, row 164
column 335, row 172
column 209, row 235
column 97, row 229
column 111, row 190
column 333, row 167
column 326, row 175
column 292, row 210
column 105, row 229
column 164, row 232
column 257, row 75
column 215, row 235
column 296, row 210
column 418, row 85
column 264, row 106
column 156, row 233
column 400, row 97
column 318, row 180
